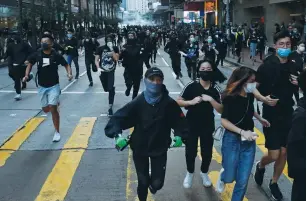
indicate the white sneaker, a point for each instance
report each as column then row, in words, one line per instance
column 220, row 186
column 206, row 180
column 17, row 97
column 187, row 182
column 56, row 137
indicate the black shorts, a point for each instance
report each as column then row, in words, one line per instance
column 276, row 135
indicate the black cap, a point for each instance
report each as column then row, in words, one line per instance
column 154, row 71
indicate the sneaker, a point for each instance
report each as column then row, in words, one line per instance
column 23, row 85
column 153, row 191
column 91, row 84
column 110, row 112
column 206, row 180
column 259, row 174
column 127, row 92
column 17, row 97
column 220, row 186
column 188, row 180
column 275, row 191
column 56, row 137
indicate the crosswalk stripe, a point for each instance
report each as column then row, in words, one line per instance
column 132, row 180
column 19, row 136
column 261, row 144
column 227, row 193
column 60, row 178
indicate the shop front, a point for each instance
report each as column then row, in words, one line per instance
column 8, row 14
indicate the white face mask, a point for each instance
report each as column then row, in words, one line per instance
column 250, row 87
column 110, row 45
column 301, row 48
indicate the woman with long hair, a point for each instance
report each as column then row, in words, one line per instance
column 238, row 144
column 200, row 98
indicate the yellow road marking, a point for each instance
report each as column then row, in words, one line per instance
column 57, row 184
column 18, row 137
column 227, row 193
column 261, row 144
column 132, row 180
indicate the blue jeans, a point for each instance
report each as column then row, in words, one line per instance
column 253, row 47
column 237, row 161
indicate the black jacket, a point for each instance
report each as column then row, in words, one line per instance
column 152, row 124
column 296, row 147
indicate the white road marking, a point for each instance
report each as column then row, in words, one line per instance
column 44, row 115
column 65, row 88
column 165, row 62
column 158, row 53
column 104, row 115
column 178, row 81
column 12, row 115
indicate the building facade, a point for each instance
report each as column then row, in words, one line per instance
column 140, row 6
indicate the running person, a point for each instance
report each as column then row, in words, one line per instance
column 151, row 136
column 200, row 97
column 105, row 60
column 48, row 60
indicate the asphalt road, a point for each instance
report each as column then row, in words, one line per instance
column 84, row 165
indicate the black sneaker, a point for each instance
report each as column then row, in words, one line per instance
column 91, row 84
column 276, row 194
column 127, row 92
column 110, row 112
column 153, row 191
column 259, row 174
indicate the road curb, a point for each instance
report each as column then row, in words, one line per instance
column 234, row 63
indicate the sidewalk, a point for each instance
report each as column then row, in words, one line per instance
column 245, row 60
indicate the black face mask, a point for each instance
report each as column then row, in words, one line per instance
column 206, row 75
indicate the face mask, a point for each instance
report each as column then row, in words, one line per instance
column 283, row 52
column 216, row 36
column 250, row 87
column 209, row 40
column 205, row 75
column 110, row 45
column 45, row 46
column 192, row 39
column 69, row 35
column 301, row 48
column 153, row 92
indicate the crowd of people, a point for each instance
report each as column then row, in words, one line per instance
column 154, row 113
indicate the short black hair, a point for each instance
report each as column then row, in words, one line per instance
column 48, row 36
column 280, row 35
column 70, row 30
column 301, row 42
column 48, row 30
column 302, row 81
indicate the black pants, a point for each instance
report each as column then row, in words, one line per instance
column 146, row 58
column 156, row 180
column 90, row 64
column 17, row 73
column 191, row 66
column 219, row 58
column 133, row 79
column 176, row 62
column 75, row 60
column 107, row 81
column 154, row 55
column 299, row 189
column 206, row 144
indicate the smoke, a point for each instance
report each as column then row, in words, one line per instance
column 135, row 18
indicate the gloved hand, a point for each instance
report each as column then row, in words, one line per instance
column 121, row 142
column 177, row 141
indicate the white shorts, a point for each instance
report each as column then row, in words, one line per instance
column 49, row 95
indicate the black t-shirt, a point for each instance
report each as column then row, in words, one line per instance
column 191, row 49
column 298, row 59
column 47, row 67
column 253, row 38
column 107, row 62
column 234, row 108
column 90, row 45
column 200, row 115
column 209, row 52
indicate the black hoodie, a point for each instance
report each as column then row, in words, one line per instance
column 296, row 147
column 152, row 124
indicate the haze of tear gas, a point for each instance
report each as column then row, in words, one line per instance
column 135, row 18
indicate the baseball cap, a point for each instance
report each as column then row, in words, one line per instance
column 154, row 71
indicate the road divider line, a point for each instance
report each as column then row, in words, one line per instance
column 261, row 145
column 131, row 185
column 59, row 180
column 19, row 136
column 71, row 83
column 227, row 193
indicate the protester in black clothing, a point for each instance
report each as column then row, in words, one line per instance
column 106, row 59
column 147, row 49
column 152, row 114
column 154, row 42
column 209, row 49
column 71, row 48
column 191, row 53
column 222, row 49
column 297, row 56
column 296, row 145
column 200, row 97
column 90, row 44
column 56, row 46
column 133, row 64
column 277, row 77
column 261, row 43
column 48, row 60
column 17, row 54
column 172, row 48
column 238, row 44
